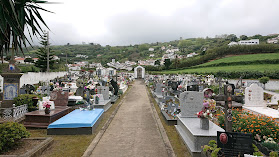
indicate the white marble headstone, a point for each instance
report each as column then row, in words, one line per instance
column 104, row 90
column 191, row 102
column 254, row 96
column 159, row 88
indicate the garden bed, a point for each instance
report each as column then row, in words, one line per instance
column 29, row 147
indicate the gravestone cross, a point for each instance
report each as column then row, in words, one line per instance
column 228, row 98
column 228, row 107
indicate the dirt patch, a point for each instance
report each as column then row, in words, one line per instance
column 24, row 146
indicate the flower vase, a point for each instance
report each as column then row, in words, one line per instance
column 204, row 123
column 47, row 110
column 96, row 100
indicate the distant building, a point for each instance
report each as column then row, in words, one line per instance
column 35, row 59
column 151, row 55
column 192, row 54
column 273, row 40
column 233, row 43
column 55, row 58
column 151, row 49
column 19, row 60
column 249, row 42
column 245, row 42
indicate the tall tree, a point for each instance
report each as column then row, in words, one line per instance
column 167, row 63
column 15, row 17
column 243, row 37
column 42, row 55
column 184, row 44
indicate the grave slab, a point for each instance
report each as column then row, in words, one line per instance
column 38, row 119
column 76, row 123
column 264, row 111
column 194, row 137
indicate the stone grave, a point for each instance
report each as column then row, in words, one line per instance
column 79, row 91
column 78, row 122
column 158, row 94
column 171, row 110
column 188, row 124
column 193, row 88
column 103, row 90
column 22, row 90
column 39, row 119
column 103, row 103
column 274, row 101
column 254, row 102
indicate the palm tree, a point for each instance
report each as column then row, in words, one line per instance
column 15, row 17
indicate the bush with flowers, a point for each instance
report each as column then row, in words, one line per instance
column 247, row 122
column 208, row 109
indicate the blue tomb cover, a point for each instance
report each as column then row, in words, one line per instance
column 78, row 119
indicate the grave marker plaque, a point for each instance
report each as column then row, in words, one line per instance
column 235, row 143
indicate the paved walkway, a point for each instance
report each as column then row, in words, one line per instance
column 133, row 131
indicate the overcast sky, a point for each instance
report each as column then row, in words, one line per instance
column 125, row 22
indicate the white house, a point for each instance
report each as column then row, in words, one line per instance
column 19, row 60
column 139, row 72
column 233, row 43
column 249, row 42
column 245, row 42
column 151, row 49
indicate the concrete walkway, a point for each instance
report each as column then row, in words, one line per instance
column 133, row 131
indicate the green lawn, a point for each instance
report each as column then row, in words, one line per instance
column 258, row 67
column 243, row 58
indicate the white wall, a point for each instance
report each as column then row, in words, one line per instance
column 33, row 77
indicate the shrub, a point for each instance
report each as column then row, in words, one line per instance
column 26, row 99
column 271, row 146
column 10, row 134
column 273, row 154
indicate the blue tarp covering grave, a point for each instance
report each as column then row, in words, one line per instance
column 78, row 119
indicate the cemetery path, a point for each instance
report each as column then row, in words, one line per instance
column 133, row 131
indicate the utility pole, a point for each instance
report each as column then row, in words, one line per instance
column 47, row 51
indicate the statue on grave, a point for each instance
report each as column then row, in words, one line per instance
column 114, row 85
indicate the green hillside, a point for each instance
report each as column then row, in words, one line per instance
column 245, row 66
column 243, row 58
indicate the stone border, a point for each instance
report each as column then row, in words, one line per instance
column 98, row 137
column 162, row 130
column 36, row 151
column 168, row 120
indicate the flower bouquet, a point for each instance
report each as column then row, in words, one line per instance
column 47, row 105
column 208, row 108
column 206, row 113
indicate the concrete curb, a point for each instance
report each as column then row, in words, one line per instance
column 98, row 137
column 162, row 130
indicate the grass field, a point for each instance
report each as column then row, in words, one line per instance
column 258, row 67
column 243, row 58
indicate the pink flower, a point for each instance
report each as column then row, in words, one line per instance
column 206, row 104
column 47, row 104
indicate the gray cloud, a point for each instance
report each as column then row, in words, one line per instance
column 203, row 18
